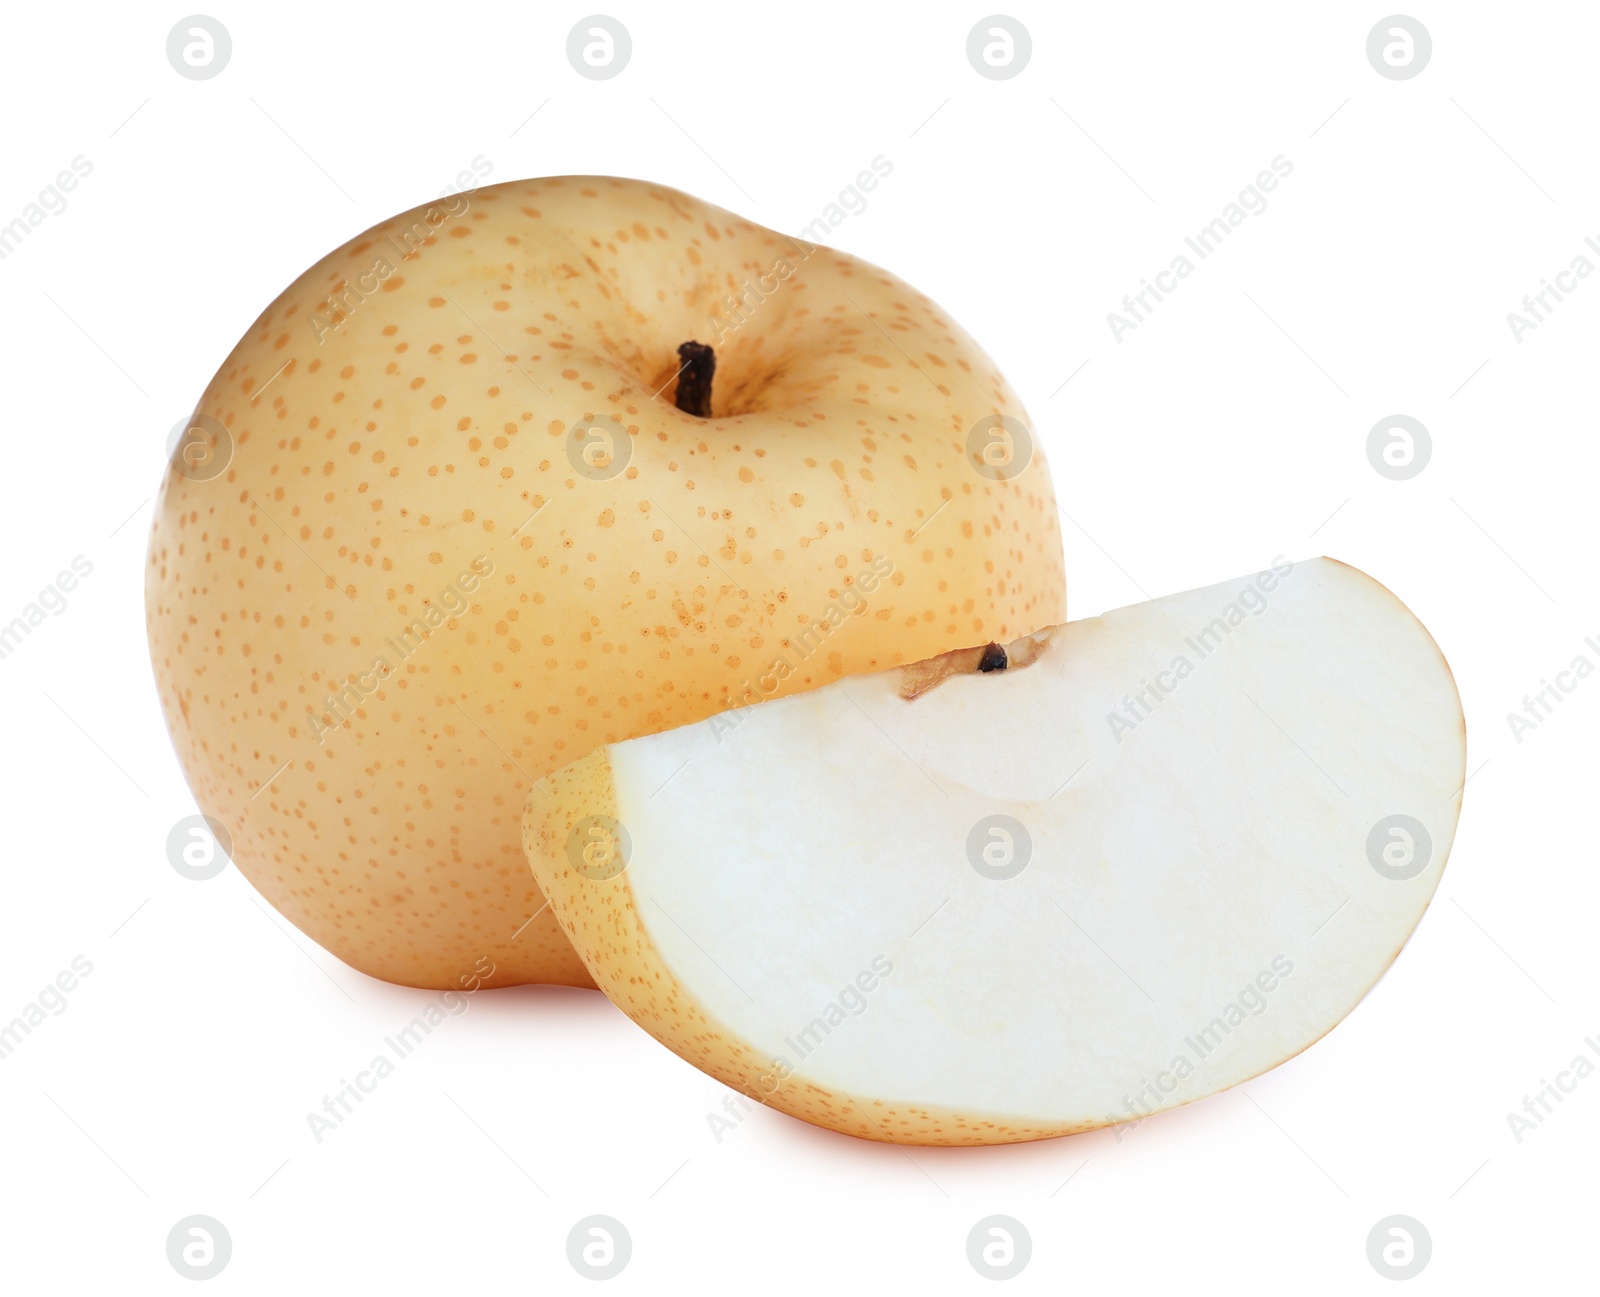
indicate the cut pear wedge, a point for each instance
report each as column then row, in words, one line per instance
column 1165, row 856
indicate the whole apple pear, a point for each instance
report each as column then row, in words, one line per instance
column 462, row 506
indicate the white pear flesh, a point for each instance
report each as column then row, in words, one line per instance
column 1212, row 879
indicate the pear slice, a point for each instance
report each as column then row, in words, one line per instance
column 1162, row 858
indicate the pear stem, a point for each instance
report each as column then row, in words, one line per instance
column 694, row 379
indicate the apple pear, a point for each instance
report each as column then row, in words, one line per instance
column 554, row 464
column 1002, row 902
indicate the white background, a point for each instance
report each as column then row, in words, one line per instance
column 1229, row 427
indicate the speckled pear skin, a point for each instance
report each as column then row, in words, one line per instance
column 400, row 431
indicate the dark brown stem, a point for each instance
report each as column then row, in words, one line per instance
column 993, row 659
column 694, row 379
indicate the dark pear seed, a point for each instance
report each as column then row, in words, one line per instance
column 993, row 659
